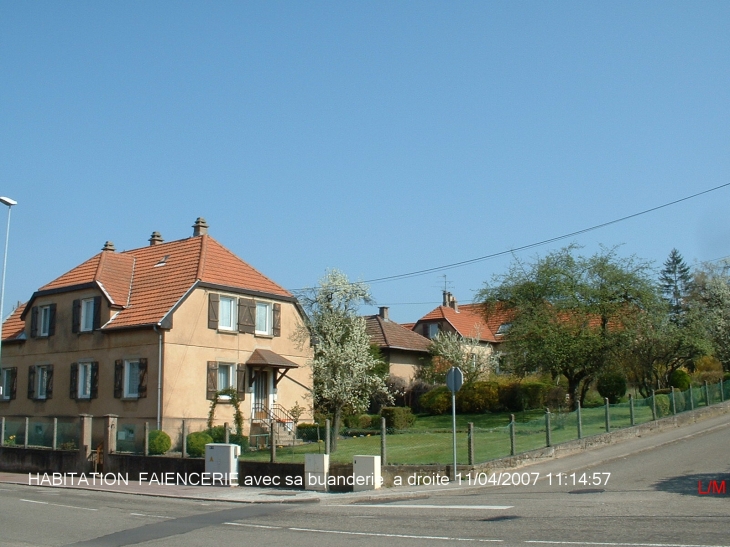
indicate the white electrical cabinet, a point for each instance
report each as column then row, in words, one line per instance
column 221, row 462
column 366, row 473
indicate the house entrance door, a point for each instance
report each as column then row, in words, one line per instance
column 261, row 395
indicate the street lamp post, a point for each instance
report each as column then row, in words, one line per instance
column 9, row 202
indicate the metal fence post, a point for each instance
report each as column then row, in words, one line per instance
column 707, row 394
column 383, row 447
column 146, row 449
column 327, row 427
column 580, row 420
column 471, row 443
column 227, row 431
column 674, row 403
column 2, row 431
column 272, row 440
column 722, row 392
column 653, row 405
column 27, row 423
column 54, row 444
column 608, row 415
column 691, row 398
column 512, row 435
column 548, row 433
column 631, row 410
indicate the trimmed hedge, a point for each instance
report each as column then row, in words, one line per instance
column 159, row 442
column 527, row 395
column 437, row 401
column 611, row 385
column 397, row 417
column 196, row 442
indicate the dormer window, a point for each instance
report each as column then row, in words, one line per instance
column 504, row 328
column 87, row 315
column 433, row 330
column 43, row 321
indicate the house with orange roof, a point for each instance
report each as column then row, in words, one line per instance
column 466, row 320
column 404, row 350
column 153, row 335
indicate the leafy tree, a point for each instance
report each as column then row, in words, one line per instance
column 573, row 315
column 711, row 295
column 675, row 281
column 344, row 370
column 449, row 349
column 611, row 385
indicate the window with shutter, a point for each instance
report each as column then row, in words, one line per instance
column 76, row 316
column 211, row 380
column 213, row 301
column 276, row 329
column 241, row 381
column 118, row 378
column 263, row 318
column 87, row 315
column 246, row 315
column 31, row 382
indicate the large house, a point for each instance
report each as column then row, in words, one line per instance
column 153, row 335
column 403, row 350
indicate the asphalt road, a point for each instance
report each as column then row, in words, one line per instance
column 650, row 499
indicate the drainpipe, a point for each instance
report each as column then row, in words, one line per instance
column 159, row 376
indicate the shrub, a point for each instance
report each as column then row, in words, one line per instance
column 196, row 442
column 360, row 421
column 611, row 385
column 663, row 407
column 680, row 380
column 681, row 402
column 525, row 395
column 436, row 401
column 397, row 417
column 555, row 398
column 218, row 434
column 308, row 432
column 477, row 397
column 593, row 400
column 159, row 442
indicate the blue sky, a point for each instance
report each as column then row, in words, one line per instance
column 374, row 137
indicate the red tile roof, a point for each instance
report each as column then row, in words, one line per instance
column 388, row 334
column 469, row 321
column 14, row 325
column 148, row 282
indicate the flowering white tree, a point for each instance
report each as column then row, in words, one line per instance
column 449, row 349
column 343, row 367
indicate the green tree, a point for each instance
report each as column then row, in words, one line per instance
column 344, row 370
column 675, row 281
column 572, row 315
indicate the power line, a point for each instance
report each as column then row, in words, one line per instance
column 539, row 243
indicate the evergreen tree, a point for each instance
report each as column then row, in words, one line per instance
column 675, row 281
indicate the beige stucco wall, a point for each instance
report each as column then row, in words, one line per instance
column 64, row 348
column 405, row 364
column 190, row 344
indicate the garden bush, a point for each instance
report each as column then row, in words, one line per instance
column 159, row 442
column 477, row 397
column 680, row 380
column 360, row 421
column 397, row 417
column 663, row 407
column 195, row 443
column 437, row 401
column 218, row 433
column 612, row 386
column 525, row 395
column 308, row 432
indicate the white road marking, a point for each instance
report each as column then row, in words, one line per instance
column 253, row 525
column 406, row 536
column 419, row 506
column 619, row 544
column 60, row 505
column 151, row 516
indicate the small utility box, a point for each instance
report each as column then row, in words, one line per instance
column 221, row 462
column 366, row 473
column 316, row 471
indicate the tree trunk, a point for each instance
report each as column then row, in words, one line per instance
column 335, row 429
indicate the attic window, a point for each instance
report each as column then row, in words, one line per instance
column 504, row 328
column 162, row 261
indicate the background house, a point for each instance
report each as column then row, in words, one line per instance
column 152, row 334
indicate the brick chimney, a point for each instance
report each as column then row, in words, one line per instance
column 383, row 312
column 155, row 239
column 109, row 246
column 200, row 228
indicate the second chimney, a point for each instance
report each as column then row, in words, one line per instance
column 200, row 228
column 383, row 312
column 155, row 238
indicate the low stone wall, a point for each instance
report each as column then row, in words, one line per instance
column 38, row 460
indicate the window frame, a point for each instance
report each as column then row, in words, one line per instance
column 87, row 366
column 232, row 304
column 269, row 319
column 433, row 330
column 44, row 321
column 86, row 315
column 6, row 381
column 41, row 374
column 231, row 378
column 126, row 393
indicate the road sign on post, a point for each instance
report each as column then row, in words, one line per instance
column 454, row 381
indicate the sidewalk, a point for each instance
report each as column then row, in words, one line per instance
column 248, row 494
